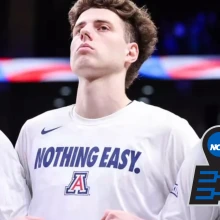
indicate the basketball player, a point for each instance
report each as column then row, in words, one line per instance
column 105, row 151
column 14, row 193
column 177, row 205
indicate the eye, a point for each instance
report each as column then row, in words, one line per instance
column 77, row 31
column 103, row 28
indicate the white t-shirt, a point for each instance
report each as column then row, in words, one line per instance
column 177, row 205
column 14, row 193
column 77, row 168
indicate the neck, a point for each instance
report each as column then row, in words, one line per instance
column 101, row 97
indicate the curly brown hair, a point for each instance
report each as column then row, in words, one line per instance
column 139, row 27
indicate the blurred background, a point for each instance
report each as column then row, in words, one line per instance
column 183, row 75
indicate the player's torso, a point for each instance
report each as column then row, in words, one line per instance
column 86, row 170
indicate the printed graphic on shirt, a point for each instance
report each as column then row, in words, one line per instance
column 206, row 183
column 78, row 185
column 175, row 190
column 88, row 157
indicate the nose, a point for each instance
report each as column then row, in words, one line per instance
column 85, row 34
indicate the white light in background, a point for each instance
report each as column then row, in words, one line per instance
column 147, row 90
column 144, row 99
column 58, row 103
column 65, row 91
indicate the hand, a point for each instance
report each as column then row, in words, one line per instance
column 119, row 215
column 27, row 218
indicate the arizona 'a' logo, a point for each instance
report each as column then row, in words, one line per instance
column 78, row 185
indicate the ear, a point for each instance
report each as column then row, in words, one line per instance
column 132, row 53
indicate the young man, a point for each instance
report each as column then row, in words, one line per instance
column 14, row 193
column 105, row 151
column 177, row 205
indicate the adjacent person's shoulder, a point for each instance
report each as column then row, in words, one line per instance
column 4, row 141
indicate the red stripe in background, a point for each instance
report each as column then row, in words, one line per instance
column 37, row 74
column 3, row 59
column 194, row 70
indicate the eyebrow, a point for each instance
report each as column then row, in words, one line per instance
column 96, row 21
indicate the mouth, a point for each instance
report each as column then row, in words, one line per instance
column 85, row 47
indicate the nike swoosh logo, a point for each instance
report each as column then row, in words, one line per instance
column 47, row 131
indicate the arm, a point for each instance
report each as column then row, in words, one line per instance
column 14, row 193
column 21, row 149
column 182, row 139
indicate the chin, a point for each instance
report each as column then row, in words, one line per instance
column 83, row 62
column 83, row 66
column 82, row 69
column 90, row 74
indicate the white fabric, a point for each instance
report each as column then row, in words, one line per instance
column 129, row 161
column 14, row 193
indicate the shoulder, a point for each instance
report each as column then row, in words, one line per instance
column 157, row 113
column 162, row 119
column 58, row 114
column 2, row 137
column 4, row 141
column 6, row 148
column 51, row 119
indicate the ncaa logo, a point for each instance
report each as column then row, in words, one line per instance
column 206, row 183
column 213, row 144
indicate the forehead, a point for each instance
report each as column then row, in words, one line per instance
column 94, row 14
